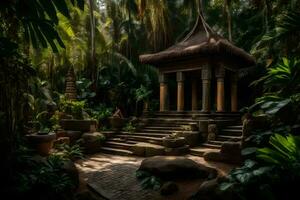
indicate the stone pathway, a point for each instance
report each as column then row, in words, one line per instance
column 114, row 177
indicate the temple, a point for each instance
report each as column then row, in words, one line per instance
column 205, row 66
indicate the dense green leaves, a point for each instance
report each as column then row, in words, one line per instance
column 285, row 151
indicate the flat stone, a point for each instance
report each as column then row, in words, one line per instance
column 147, row 149
column 171, row 167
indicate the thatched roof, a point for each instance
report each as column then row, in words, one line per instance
column 203, row 43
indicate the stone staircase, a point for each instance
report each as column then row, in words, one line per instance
column 160, row 125
column 226, row 134
column 153, row 132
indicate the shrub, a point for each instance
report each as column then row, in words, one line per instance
column 74, row 108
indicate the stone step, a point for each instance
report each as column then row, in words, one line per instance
column 238, row 127
column 212, row 146
column 199, row 151
column 233, row 132
column 169, row 127
column 116, row 151
column 194, row 114
column 146, row 130
column 118, row 145
column 229, row 138
column 120, row 140
column 146, row 134
column 170, row 120
column 152, row 140
column 215, row 142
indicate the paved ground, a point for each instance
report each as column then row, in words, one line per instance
column 114, row 177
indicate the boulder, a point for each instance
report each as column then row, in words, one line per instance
column 147, row 149
column 221, row 157
column 168, row 188
column 177, row 151
column 171, row 167
column 207, row 190
column 73, row 135
column 138, row 149
column 174, row 142
column 92, row 142
column 231, row 148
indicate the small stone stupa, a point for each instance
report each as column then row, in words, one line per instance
column 71, row 93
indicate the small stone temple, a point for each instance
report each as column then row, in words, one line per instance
column 205, row 66
column 198, row 100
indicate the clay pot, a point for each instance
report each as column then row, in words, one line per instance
column 43, row 143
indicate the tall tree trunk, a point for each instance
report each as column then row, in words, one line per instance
column 92, row 40
column 228, row 18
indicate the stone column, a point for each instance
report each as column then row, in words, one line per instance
column 163, row 92
column 234, row 100
column 194, row 96
column 206, row 85
column 220, row 74
column 180, row 91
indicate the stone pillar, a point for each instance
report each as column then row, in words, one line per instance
column 220, row 74
column 234, row 100
column 163, row 105
column 180, row 91
column 194, row 95
column 206, row 85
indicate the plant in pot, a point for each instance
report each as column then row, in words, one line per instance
column 42, row 138
column 80, row 122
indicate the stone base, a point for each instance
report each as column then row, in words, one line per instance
column 78, row 125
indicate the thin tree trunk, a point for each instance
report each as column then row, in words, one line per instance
column 228, row 16
column 92, row 39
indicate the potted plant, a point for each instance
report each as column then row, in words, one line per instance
column 79, row 122
column 41, row 137
column 42, row 141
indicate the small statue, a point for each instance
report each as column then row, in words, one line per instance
column 212, row 132
column 118, row 113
